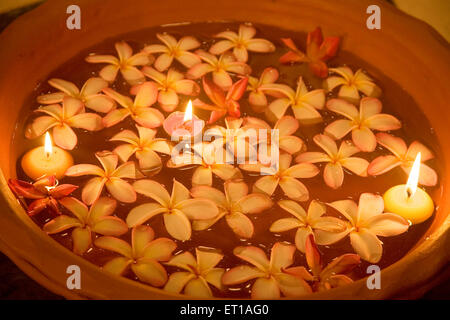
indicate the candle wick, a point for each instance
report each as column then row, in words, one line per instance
column 409, row 193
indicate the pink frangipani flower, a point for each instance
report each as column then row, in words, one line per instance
column 86, row 220
column 170, row 85
column 241, row 43
column 306, row 222
column 126, row 62
column 360, row 122
column 286, row 177
column 271, row 277
column 177, row 208
column 336, row 160
column 329, row 277
column 145, row 146
column 45, row 193
column 219, row 67
column 367, row 221
column 404, row 157
column 304, row 103
column 110, row 175
column 61, row 119
column 222, row 104
column 143, row 257
column 89, row 94
column 198, row 273
column 352, row 84
column 235, row 203
column 173, row 49
column 139, row 109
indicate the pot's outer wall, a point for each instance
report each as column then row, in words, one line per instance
column 407, row 50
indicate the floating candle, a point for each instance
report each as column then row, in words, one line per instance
column 46, row 160
column 408, row 200
column 183, row 124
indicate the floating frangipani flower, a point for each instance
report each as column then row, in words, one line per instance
column 139, row 109
column 126, row 62
column 143, row 257
column 144, row 145
column 200, row 273
column 351, row 84
column 222, row 104
column 110, row 176
column 306, row 223
column 318, row 51
column 271, row 276
column 235, row 204
column 257, row 87
column 286, row 126
column 177, row 209
column 96, row 219
column 207, row 158
column 61, row 119
column 286, row 177
column 45, row 193
column 332, row 276
column 219, row 67
column 234, row 136
column 336, row 160
column 367, row 221
column 360, row 122
column 241, row 43
column 173, row 49
column 404, row 157
column 304, row 103
column 169, row 86
column 89, row 94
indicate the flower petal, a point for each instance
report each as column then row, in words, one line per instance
column 333, row 175
column 370, row 205
column 109, row 72
column 241, row 274
column 382, row 164
column 198, row 209
column 121, row 190
column 415, row 147
column 178, row 225
column 117, row 265
column 67, row 87
column 82, row 240
column 100, row 103
column 300, row 238
column 240, row 224
column 343, row 108
column 281, row 256
column 163, row 62
column 114, row 244
column 253, row 255
column 76, row 207
column 110, row 226
column 115, row 116
column 188, row 43
column 92, row 190
column 64, row 137
column 88, row 121
column 260, row 45
column 61, row 223
column 141, row 236
column 292, row 286
column 184, row 260
column 209, row 193
column 348, row 208
column 138, row 215
column 279, row 106
column 177, row 281
column 285, row 224
column 387, row 225
column 341, row 265
column 188, row 59
column 154, row 190
column 160, row 249
column 364, row 139
column 295, row 209
column 198, row 288
column 221, row 46
column 254, row 203
column 235, row 190
column 367, row 245
column 339, row 128
column 267, row 184
column 294, row 189
column 383, row 122
column 356, row 165
column 206, row 260
column 149, row 117
column 394, row 144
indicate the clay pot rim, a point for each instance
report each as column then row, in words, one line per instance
column 21, row 259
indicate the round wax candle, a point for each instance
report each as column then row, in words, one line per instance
column 416, row 208
column 37, row 164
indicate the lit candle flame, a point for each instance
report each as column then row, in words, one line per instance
column 188, row 112
column 48, row 148
column 413, row 179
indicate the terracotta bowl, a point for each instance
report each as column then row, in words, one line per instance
column 405, row 49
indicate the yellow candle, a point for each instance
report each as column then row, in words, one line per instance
column 46, row 161
column 407, row 200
